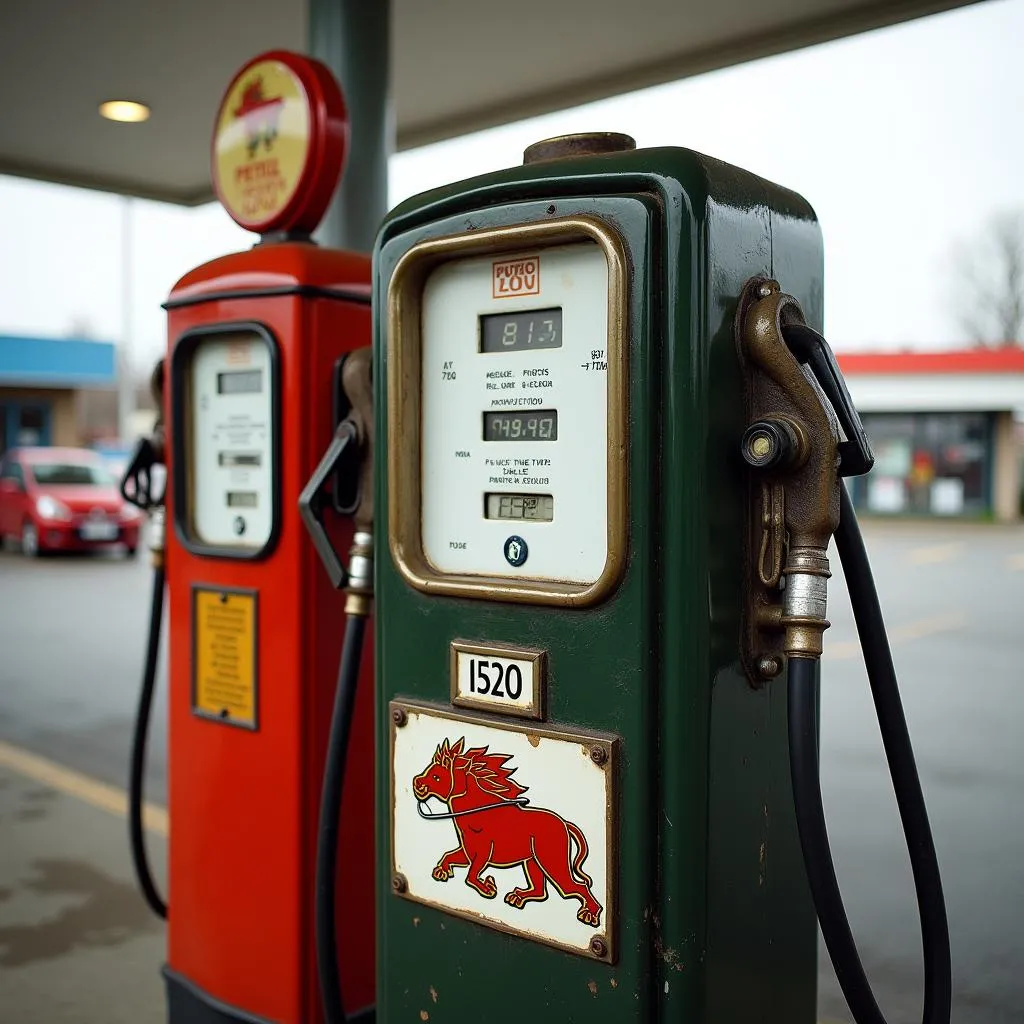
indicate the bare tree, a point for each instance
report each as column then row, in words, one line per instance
column 988, row 283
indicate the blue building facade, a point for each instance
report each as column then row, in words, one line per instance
column 40, row 379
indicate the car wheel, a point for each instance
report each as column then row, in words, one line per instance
column 29, row 540
column 131, row 552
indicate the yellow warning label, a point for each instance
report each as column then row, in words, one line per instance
column 224, row 664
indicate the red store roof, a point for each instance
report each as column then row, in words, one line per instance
column 975, row 360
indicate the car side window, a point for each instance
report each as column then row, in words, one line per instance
column 11, row 470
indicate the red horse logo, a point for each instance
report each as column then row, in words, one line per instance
column 260, row 115
column 496, row 830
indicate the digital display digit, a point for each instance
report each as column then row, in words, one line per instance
column 239, row 460
column 538, row 425
column 521, row 331
column 537, row 508
column 240, row 382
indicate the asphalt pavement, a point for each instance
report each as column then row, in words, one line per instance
column 77, row 943
column 72, row 635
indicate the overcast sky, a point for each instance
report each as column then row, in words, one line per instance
column 905, row 141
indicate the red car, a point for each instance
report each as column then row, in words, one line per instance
column 63, row 499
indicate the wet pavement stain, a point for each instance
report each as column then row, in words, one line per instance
column 112, row 913
column 5, row 894
column 36, row 796
column 31, row 813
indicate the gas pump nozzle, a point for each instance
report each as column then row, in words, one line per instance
column 354, row 432
column 358, row 384
column 798, row 480
column 138, row 487
column 806, row 435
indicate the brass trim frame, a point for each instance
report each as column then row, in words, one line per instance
column 404, row 390
column 537, row 657
column 607, row 743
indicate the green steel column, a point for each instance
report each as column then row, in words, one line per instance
column 352, row 37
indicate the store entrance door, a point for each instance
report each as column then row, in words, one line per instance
column 24, row 424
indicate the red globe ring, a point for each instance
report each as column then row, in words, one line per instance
column 325, row 155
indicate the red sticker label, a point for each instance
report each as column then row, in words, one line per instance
column 516, row 277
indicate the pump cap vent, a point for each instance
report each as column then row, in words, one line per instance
column 583, row 144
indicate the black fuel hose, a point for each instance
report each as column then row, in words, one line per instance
column 803, row 746
column 330, row 818
column 138, row 762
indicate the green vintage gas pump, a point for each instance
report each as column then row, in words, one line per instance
column 611, row 444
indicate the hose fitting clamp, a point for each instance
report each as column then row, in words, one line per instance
column 157, row 529
column 360, row 575
column 805, row 601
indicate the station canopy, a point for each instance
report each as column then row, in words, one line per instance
column 457, row 66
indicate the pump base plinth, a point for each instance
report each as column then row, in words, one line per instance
column 187, row 1003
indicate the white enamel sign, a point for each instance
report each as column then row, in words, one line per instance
column 511, row 825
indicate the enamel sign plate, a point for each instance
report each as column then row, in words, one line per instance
column 224, row 655
column 509, row 825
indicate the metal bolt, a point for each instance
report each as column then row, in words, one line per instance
column 771, row 443
column 399, row 717
column 769, row 666
column 598, row 947
column 398, row 882
column 598, row 755
column 765, row 290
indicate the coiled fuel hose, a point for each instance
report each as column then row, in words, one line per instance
column 137, row 769
column 810, row 815
column 357, row 609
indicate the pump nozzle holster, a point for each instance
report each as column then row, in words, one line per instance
column 792, row 447
column 354, row 432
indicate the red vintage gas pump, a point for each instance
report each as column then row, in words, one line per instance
column 256, row 346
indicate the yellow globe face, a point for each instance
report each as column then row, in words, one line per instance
column 262, row 143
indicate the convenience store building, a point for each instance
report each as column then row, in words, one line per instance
column 946, row 428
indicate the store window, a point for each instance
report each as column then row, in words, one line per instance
column 928, row 464
column 31, row 425
column 24, row 423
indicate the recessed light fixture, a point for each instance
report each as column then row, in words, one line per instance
column 124, row 110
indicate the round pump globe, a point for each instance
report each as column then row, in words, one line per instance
column 279, row 144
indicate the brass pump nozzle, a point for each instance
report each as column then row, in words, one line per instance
column 357, row 381
column 792, row 414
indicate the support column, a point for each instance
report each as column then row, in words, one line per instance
column 352, row 37
column 1006, row 477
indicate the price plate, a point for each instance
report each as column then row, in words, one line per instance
column 495, row 677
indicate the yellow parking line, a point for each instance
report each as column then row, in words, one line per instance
column 916, row 630
column 91, row 791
